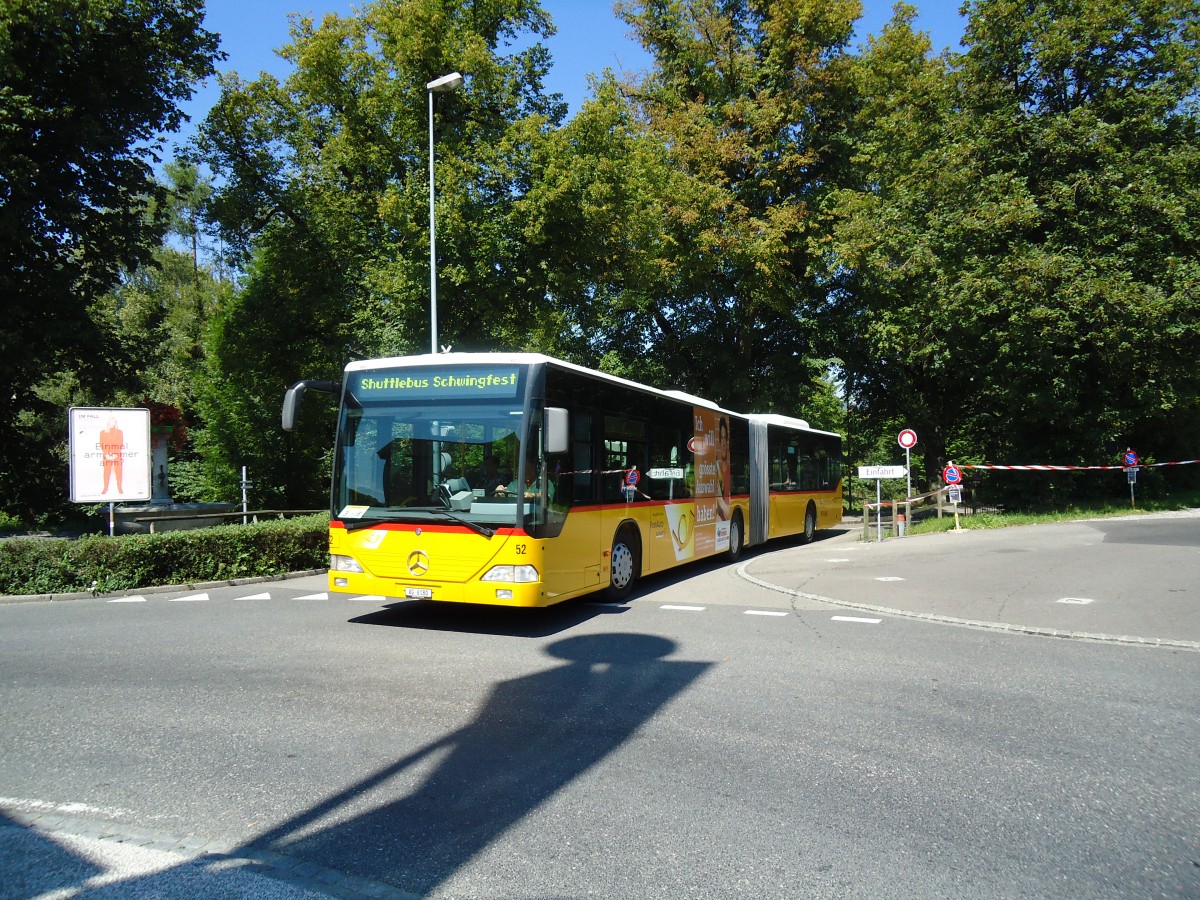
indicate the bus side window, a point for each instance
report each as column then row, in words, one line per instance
column 582, row 464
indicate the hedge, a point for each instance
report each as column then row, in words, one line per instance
column 221, row 553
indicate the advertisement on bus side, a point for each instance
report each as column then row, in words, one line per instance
column 710, row 449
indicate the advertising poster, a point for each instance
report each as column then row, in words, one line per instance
column 710, row 449
column 110, row 454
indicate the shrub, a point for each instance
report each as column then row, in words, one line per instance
column 221, row 553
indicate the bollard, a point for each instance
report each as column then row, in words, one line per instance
column 901, row 521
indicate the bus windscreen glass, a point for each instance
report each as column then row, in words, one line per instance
column 417, row 445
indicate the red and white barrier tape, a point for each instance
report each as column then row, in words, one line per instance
column 1183, row 462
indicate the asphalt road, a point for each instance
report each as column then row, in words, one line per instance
column 712, row 738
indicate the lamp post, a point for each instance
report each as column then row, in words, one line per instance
column 451, row 82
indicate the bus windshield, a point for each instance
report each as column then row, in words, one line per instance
column 418, row 446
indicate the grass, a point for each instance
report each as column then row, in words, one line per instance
column 1182, row 500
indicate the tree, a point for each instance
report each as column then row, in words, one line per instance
column 685, row 198
column 85, row 90
column 1015, row 270
column 1089, row 321
column 325, row 196
column 885, row 259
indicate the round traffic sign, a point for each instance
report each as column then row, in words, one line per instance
column 907, row 439
column 1131, row 458
column 952, row 474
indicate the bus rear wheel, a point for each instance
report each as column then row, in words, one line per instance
column 736, row 538
column 623, row 565
column 810, row 523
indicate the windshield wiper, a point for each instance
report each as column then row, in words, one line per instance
column 474, row 526
column 357, row 524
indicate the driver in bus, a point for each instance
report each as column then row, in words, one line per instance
column 533, row 485
column 488, row 478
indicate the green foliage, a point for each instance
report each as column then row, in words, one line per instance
column 1015, row 273
column 676, row 209
column 996, row 248
column 47, row 566
column 85, row 89
column 325, row 196
column 254, row 354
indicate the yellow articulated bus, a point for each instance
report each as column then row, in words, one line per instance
column 522, row 480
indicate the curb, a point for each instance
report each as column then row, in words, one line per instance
column 972, row 623
column 158, row 589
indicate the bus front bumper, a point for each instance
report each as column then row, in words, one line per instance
column 488, row 593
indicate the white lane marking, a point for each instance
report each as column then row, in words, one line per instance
column 135, row 599
column 1078, row 601
column 763, row 612
column 262, row 596
column 190, row 597
column 859, row 619
column 324, row 595
column 838, row 559
column 369, row 598
column 683, row 608
column 890, row 578
column 26, row 804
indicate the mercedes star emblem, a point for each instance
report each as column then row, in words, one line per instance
column 418, row 562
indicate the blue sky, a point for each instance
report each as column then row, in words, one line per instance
column 590, row 38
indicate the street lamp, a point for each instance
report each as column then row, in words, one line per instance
column 451, row 82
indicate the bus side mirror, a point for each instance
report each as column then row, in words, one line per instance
column 558, row 433
column 291, row 400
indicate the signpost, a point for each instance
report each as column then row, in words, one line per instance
column 907, row 439
column 109, row 456
column 1130, row 463
column 879, row 473
column 953, row 477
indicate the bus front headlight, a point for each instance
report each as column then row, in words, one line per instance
column 512, row 574
column 344, row 564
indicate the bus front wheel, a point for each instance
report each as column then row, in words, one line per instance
column 623, row 566
column 810, row 523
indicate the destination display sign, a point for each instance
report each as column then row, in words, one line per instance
column 457, row 383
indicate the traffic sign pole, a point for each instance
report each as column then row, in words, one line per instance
column 907, row 439
column 952, row 475
column 878, row 512
column 1130, row 462
column 908, row 475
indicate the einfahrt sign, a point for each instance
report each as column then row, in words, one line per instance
column 876, row 472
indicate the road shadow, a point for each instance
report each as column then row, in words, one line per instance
column 495, row 620
column 533, row 736
column 33, row 864
column 433, row 810
column 1150, row 532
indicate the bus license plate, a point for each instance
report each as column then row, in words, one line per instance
column 418, row 593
